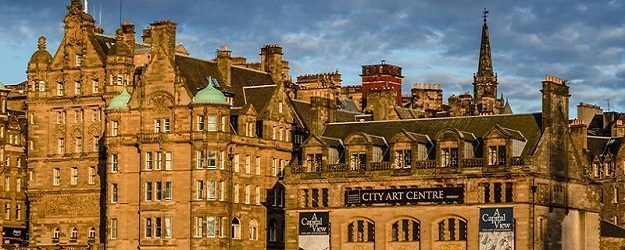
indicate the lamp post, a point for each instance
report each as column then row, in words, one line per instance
column 533, row 188
column 229, row 148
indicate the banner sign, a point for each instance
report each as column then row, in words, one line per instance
column 11, row 235
column 314, row 231
column 496, row 228
column 404, row 195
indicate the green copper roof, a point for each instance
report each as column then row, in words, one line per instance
column 2, row 86
column 210, row 95
column 120, row 101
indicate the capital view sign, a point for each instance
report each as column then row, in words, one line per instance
column 404, row 195
column 496, row 228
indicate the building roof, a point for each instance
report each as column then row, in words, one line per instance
column 120, row 101
column 529, row 125
column 209, row 94
column 608, row 229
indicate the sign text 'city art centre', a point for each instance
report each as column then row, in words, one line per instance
column 404, row 195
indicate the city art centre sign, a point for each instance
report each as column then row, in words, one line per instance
column 404, row 195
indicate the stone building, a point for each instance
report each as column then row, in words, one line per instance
column 446, row 183
column 138, row 144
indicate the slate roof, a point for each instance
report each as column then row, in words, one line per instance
column 600, row 145
column 529, row 125
column 608, row 229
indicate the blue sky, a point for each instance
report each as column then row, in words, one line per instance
column 435, row 41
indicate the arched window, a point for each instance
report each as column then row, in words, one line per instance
column 74, row 235
column 452, row 229
column 405, row 230
column 253, row 230
column 361, row 231
column 272, row 229
column 235, row 231
column 92, row 234
column 55, row 235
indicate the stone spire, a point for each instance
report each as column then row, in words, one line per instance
column 485, row 66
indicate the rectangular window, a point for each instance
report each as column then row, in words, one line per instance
column 95, row 115
column 78, row 116
column 210, row 227
column 96, row 143
column 18, row 184
column 236, row 163
column 114, row 193
column 157, row 125
column 78, row 145
column 211, row 190
column 166, row 125
column 113, row 228
column 114, row 128
column 498, row 192
column 449, row 157
column 149, row 160
column 222, row 159
column 18, row 212
column 74, row 179
column 7, row 211
column 223, row 123
column 169, row 160
column 157, row 231
column 222, row 191
column 168, row 190
column 42, row 86
column 257, row 165
column 212, row 123
column 7, row 183
column 199, row 187
column 509, row 192
column 92, row 174
column 199, row 123
column 236, row 193
column 114, row 163
column 78, row 60
column 248, row 164
column 60, row 146
column 56, row 177
column 59, row 89
column 158, row 190
column 148, row 191
column 95, row 86
column 159, row 160
column 257, row 195
column 247, row 194
column 167, row 227
column 199, row 226
column 212, row 159
column 148, row 227
column 199, row 159
column 77, row 88
column 274, row 167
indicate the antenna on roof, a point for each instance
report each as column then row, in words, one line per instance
column 608, row 100
column 86, row 6
column 120, row 11
column 100, row 18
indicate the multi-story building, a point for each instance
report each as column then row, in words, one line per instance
column 137, row 144
column 516, row 181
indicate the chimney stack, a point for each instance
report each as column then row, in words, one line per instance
column 224, row 63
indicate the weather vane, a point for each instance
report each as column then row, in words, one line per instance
column 485, row 14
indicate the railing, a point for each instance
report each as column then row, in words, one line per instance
column 426, row 164
column 336, row 168
column 380, row 166
column 473, row 162
column 517, row 161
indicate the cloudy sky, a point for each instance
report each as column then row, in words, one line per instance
column 435, row 41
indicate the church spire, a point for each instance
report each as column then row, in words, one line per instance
column 485, row 66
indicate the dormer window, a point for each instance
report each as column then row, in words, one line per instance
column 403, row 159
column 449, row 157
column 497, row 155
column 358, row 160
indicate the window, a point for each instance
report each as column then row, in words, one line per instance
column 405, row 230
column 211, row 190
column 199, row 123
column 157, row 125
column 18, row 184
column 92, row 174
column 199, row 226
column 274, row 167
column 158, row 227
column 199, row 187
column 486, row 193
column 7, row 183
column 168, row 191
column 253, row 230
column 148, row 227
column 257, row 165
column 31, row 118
column 257, row 195
column 449, row 157
column 199, row 158
column 77, row 88
column 496, row 155
column 96, row 141
column 166, row 125
column 248, row 164
column 74, row 180
column 210, row 227
column 7, row 211
column 222, row 191
column 247, row 194
column 114, row 128
column 114, row 163
column 148, row 191
column 509, row 193
column 120, row 79
column 78, row 60
column 59, row 89
column 159, row 160
column 447, row 230
column 272, row 231
column 91, row 234
column 169, row 157
column 114, row 193
column 149, row 160
column 42, row 86
column 402, row 159
column 358, row 160
column 235, row 230
column 212, row 159
column 60, row 146
column 167, row 227
column 78, row 114
column 497, row 192
column 212, row 123
column 236, row 163
column 222, row 159
column 616, row 195
column 236, row 193
column 223, row 123
column 95, row 115
column 158, row 186
column 74, row 235
column 18, row 212
column 314, row 162
column 361, row 231
column 113, row 229
column 55, row 235
column 56, row 177
column 95, row 84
